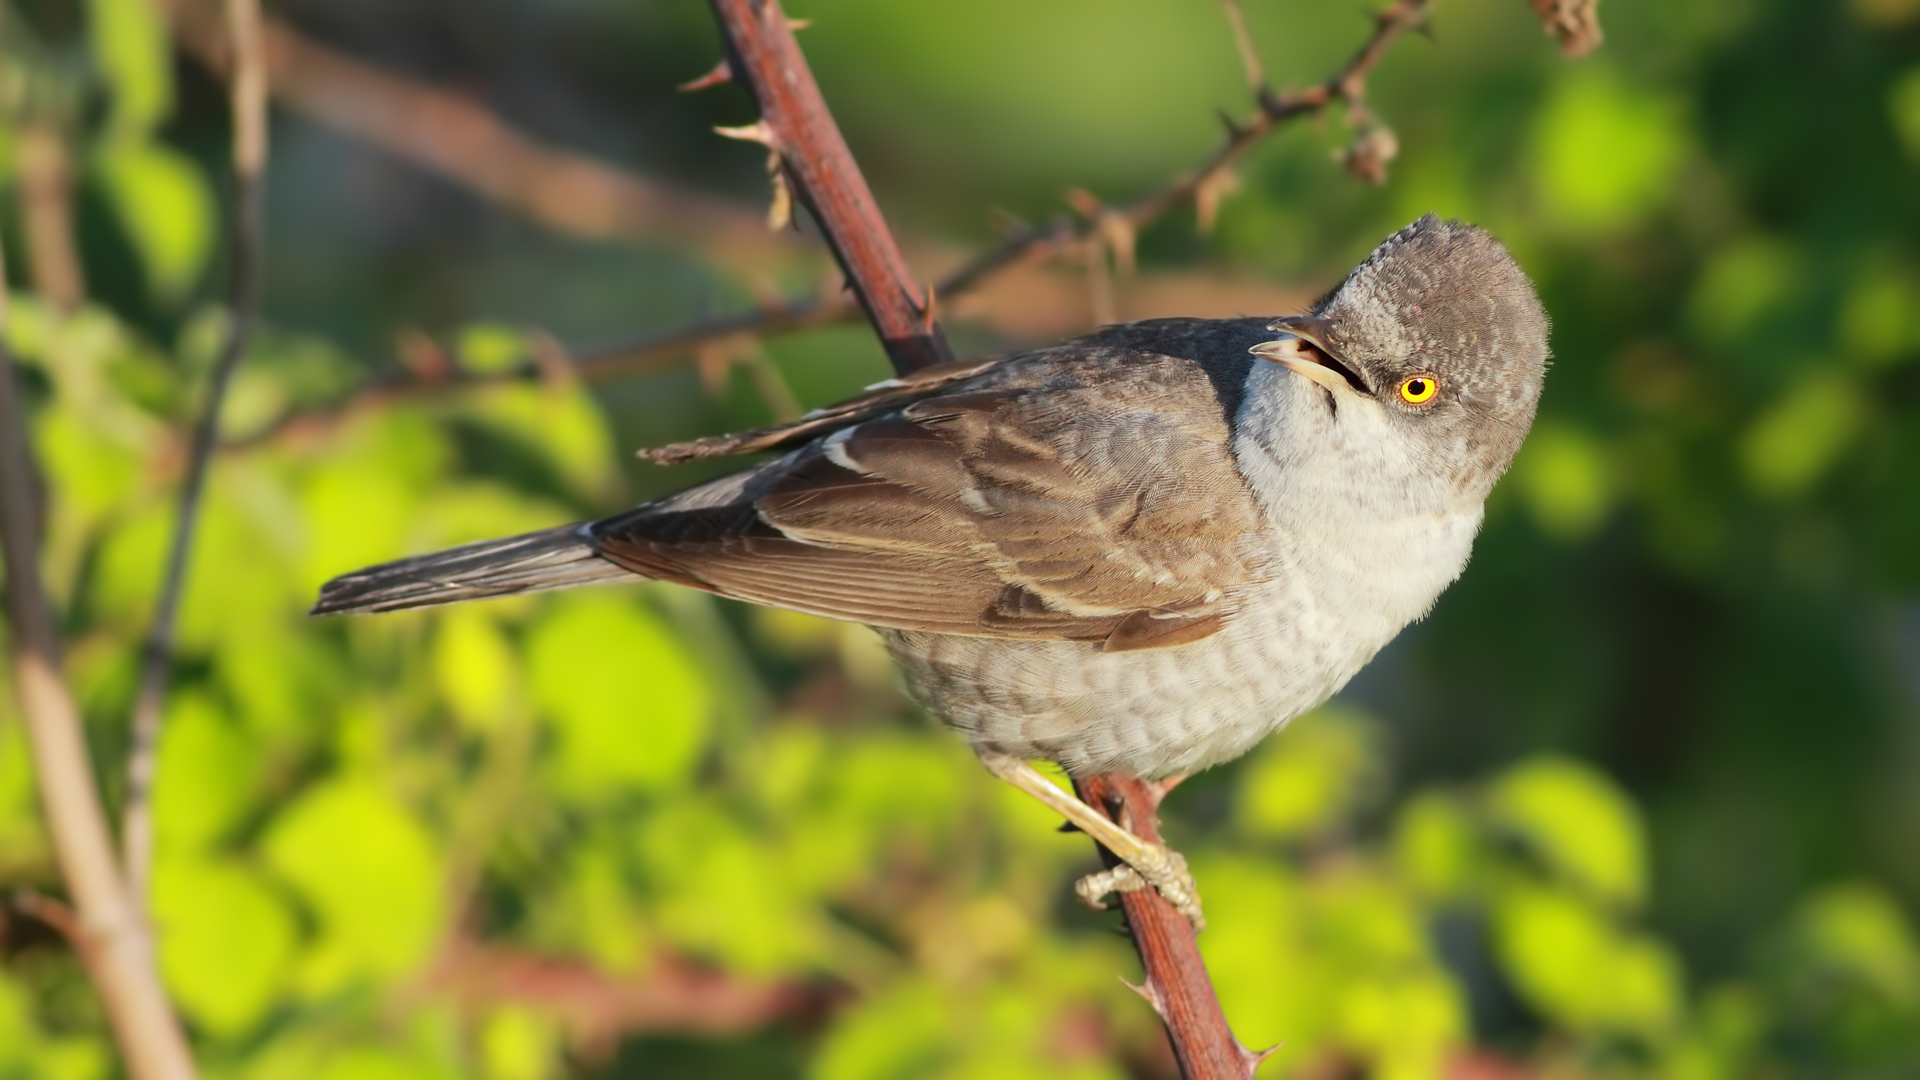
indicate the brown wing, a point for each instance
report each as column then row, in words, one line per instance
column 1083, row 495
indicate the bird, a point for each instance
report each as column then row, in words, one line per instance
column 1142, row 550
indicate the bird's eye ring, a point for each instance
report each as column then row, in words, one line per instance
column 1418, row 389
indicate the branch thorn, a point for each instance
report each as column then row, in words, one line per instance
column 1257, row 1058
column 756, row 132
column 1150, row 993
column 721, row 73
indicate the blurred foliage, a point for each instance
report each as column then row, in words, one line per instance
column 1637, row 800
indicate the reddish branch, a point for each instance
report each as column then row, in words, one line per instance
column 816, row 165
column 671, row 994
column 1177, row 984
column 797, row 125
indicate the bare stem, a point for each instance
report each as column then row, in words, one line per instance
column 117, row 948
column 248, row 93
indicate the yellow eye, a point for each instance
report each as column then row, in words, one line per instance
column 1418, row 389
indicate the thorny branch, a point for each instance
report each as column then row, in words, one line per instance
column 813, row 155
column 118, row 950
column 1177, row 984
column 248, row 91
column 814, row 164
column 1101, row 227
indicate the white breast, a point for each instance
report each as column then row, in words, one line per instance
column 1355, row 550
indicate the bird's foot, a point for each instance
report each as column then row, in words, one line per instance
column 1158, row 867
column 1142, row 862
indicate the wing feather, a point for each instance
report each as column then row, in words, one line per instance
column 1088, row 494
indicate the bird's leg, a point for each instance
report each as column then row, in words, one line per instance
column 1142, row 863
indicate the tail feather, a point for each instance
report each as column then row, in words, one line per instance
column 550, row 559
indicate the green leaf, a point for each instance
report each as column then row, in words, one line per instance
column 1569, row 962
column 1903, row 107
column 1604, row 151
column 1858, row 932
column 907, row 1032
column 1742, row 284
column 475, row 669
column 1567, row 480
column 559, row 422
column 164, row 206
column 631, row 709
column 1312, row 777
column 1579, row 823
column 1791, row 445
column 368, row 870
column 1436, row 845
column 226, row 941
column 130, row 46
column 206, row 779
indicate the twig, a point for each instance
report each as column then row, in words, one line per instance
column 1236, row 13
column 819, row 169
column 46, row 213
column 119, row 953
column 248, row 92
column 1177, row 984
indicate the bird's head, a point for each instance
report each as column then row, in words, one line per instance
column 1440, row 331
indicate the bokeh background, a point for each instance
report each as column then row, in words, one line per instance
column 1640, row 798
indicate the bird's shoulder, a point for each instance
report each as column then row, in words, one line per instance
column 1086, row 491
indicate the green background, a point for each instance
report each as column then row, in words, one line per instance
column 1640, row 798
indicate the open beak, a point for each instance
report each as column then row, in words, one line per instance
column 1306, row 351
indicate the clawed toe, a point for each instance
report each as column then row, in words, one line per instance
column 1156, row 865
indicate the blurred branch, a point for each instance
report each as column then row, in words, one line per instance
column 461, row 141
column 1236, row 13
column 815, row 164
column 1024, row 245
column 46, row 213
column 668, row 994
column 118, row 950
column 248, row 91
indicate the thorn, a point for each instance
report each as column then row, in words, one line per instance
column 780, row 211
column 757, row 132
column 1257, row 1058
column 721, row 73
column 797, row 25
column 1068, row 827
column 1235, row 132
column 1121, row 240
column 1084, row 202
column 1151, row 994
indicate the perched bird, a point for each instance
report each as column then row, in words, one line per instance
column 1140, row 551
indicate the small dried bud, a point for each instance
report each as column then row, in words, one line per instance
column 1575, row 22
column 1371, row 153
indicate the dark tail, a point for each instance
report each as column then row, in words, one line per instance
column 550, row 559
